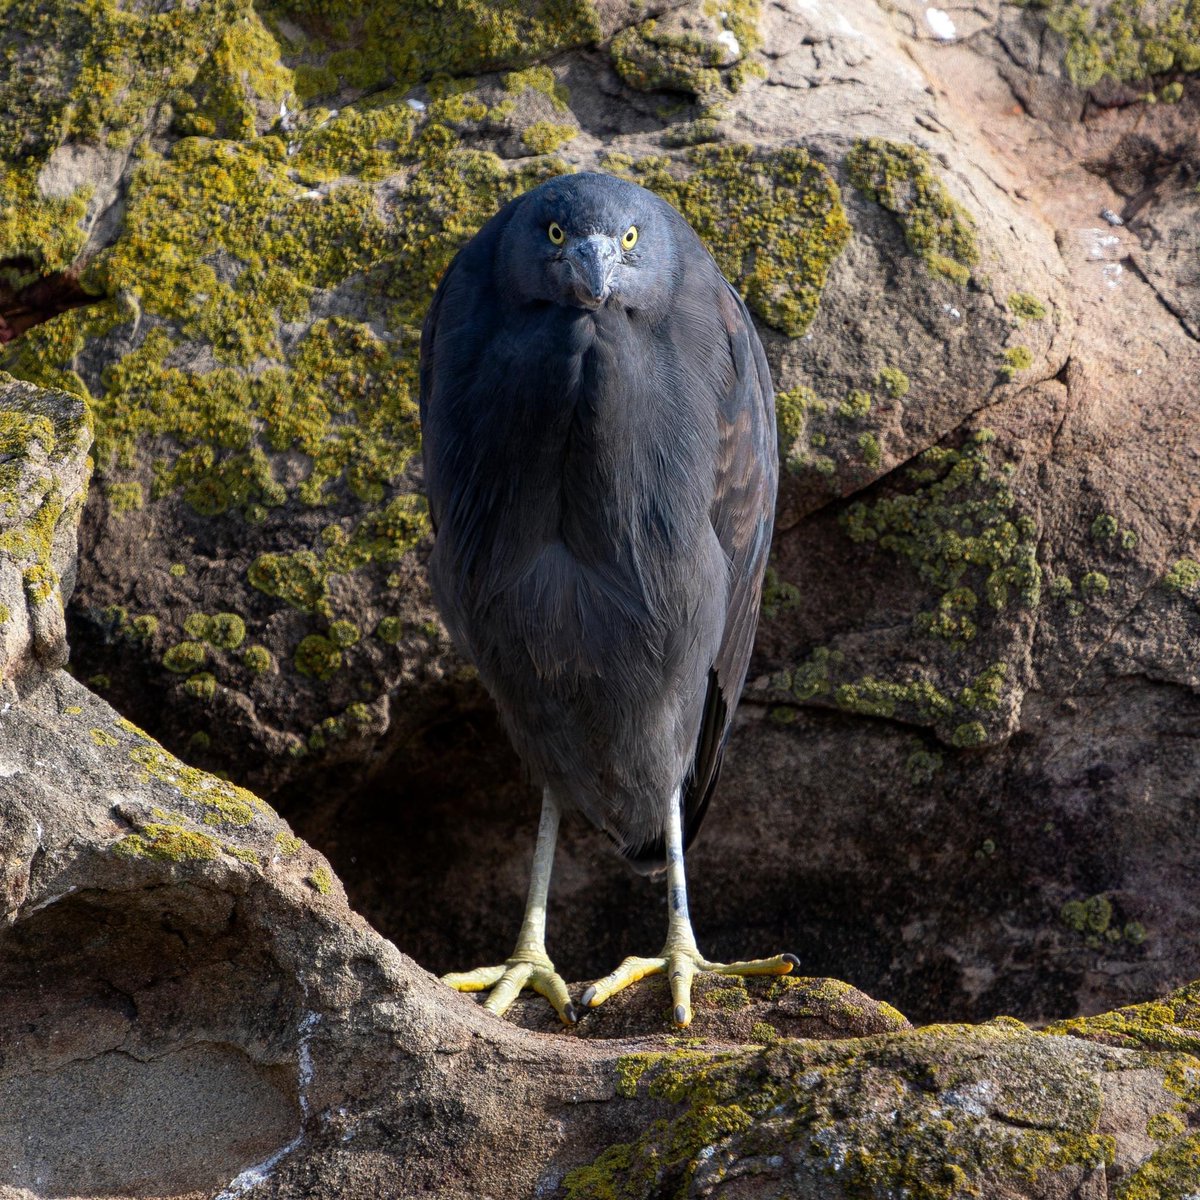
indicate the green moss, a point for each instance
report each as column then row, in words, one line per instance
column 318, row 656
column 651, row 57
column 1016, row 358
column 390, row 630
column 168, row 843
column 1026, row 307
column 899, row 177
column 544, row 137
column 201, row 687
column 257, row 659
column 1094, row 583
column 321, row 878
column 773, row 221
column 185, row 657
column 344, row 633
column 693, row 133
column 1126, row 40
column 893, row 381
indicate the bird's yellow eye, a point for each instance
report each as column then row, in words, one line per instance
column 555, row 233
column 630, row 238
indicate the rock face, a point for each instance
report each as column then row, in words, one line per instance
column 971, row 717
column 182, row 976
column 963, row 774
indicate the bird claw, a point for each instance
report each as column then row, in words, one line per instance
column 505, row 983
column 680, row 967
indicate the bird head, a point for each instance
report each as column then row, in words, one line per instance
column 589, row 240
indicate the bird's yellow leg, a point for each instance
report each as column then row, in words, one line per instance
column 680, row 959
column 529, row 965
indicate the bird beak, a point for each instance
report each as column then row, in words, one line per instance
column 592, row 261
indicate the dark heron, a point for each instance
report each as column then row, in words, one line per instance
column 601, row 465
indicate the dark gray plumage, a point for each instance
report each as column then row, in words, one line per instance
column 600, row 462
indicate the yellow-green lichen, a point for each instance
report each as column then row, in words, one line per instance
column 1126, row 40
column 287, row 843
column 900, row 178
column 343, row 633
column 389, row 629
column 185, row 657
column 539, row 79
column 257, row 659
column 1183, row 575
column 202, row 686
column 893, row 381
column 1094, row 583
column 321, row 879
column 544, row 137
column 708, row 65
column 379, row 44
column 909, row 1114
column 220, row 801
column 869, row 448
column 168, row 843
column 855, row 406
column 791, row 409
column 318, row 656
column 961, row 532
column 102, row 738
column 773, row 221
column 1172, row 1173
column 124, row 497
column 778, row 596
column 1026, row 307
column 1016, row 358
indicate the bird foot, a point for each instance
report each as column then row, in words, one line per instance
column 506, row 982
column 680, row 966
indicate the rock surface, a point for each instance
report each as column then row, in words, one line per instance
column 963, row 777
column 183, row 976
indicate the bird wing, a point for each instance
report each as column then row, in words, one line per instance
column 742, row 515
column 426, row 372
